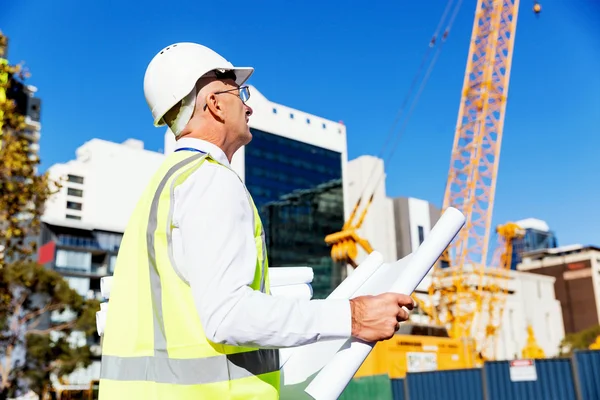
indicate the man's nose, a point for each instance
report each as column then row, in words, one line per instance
column 249, row 110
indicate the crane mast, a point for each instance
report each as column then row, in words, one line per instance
column 475, row 156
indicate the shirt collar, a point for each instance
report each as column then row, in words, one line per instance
column 204, row 146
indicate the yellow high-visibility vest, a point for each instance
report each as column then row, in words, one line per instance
column 154, row 346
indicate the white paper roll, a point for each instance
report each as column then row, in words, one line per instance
column 100, row 322
column 285, row 276
column 302, row 291
column 349, row 286
column 331, row 381
column 105, row 285
column 300, row 363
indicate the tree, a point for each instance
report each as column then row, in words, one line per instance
column 579, row 341
column 29, row 293
column 23, row 192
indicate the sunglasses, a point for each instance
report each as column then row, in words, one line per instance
column 243, row 92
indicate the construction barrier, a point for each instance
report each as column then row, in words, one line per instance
column 529, row 380
column 462, row 384
column 398, row 389
column 575, row 378
column 586, row 369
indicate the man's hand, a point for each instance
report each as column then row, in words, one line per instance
column 376, row 318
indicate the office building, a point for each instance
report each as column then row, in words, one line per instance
column 23, row 97
column 101, row 186
column 538, row 236
column 576, row 270
column 294, row 168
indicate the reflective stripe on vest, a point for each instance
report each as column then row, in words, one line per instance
column 159, row 368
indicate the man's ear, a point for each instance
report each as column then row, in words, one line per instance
column 215, row 106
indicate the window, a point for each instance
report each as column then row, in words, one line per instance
column 291, row 116
column 421, row 234
column 68, row 216
column 308, row 120
column 324, row 126
column 274, row 110
column 75, row 192
column 80, row 261
column 71, row 205
column 75, row 178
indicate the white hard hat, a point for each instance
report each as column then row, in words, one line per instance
column 173, row 72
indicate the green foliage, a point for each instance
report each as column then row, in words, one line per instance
column 23, row 193
column 28, row 292
column 579, row 341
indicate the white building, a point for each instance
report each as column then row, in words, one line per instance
column 366, row 178
column 102, row 185
column 534, row 303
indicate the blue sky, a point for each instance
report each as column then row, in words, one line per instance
column 342, row 62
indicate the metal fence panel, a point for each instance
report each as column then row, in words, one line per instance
column 398, row 389
column 586, row 369
column 513, row 380
column 462, row 384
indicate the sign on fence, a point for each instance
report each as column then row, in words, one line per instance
column 522, row 371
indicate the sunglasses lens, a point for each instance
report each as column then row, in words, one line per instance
column 244, row 93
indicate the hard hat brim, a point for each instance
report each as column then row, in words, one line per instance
column 242, row 74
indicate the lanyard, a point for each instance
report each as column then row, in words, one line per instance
column 190, row 149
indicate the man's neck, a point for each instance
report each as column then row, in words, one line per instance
column 218, row 140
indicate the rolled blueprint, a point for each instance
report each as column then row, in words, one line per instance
column 299, row 363
column 358, row 277
column 301, row 291
column 331, row 381
column 285, row 276
column 101, row 318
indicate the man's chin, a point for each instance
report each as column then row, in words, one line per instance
column 248, row 137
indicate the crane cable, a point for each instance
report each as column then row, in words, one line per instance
column 432, row 63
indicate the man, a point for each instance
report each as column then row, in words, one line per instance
column 190, row 312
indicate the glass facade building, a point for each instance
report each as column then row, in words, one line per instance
column 533, row 239
column 297, row 188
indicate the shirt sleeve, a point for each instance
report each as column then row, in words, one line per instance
column 215, row 222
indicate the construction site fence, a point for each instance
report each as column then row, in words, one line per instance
column 573, row 378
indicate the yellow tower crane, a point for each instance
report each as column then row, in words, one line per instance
column 343, row 244
column 467, row 289
column 463, row 289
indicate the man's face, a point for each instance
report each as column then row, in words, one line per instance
column 237, row 114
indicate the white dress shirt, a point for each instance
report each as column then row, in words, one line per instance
column 215, row 252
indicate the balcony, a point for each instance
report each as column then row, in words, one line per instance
column 74, row 270
column 79, row 242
